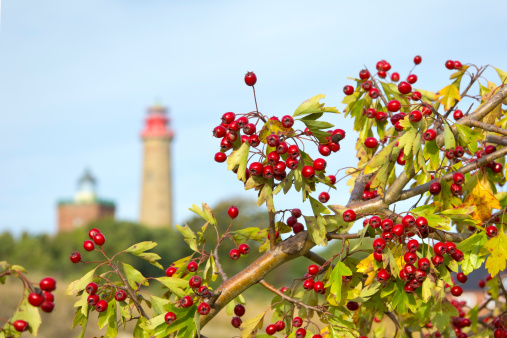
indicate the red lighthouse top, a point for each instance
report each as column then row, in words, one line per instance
column 156, row 123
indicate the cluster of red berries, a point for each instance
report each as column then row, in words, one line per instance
column 368, row 193
column 310, row 283
column 460, row 322
column 494, row 166
column 297, row 322
column 96, row 238
column 94, row 300
column 500, row 330
column 200, row 292
column 449, row 64
column 42, row 296
column 292, row 221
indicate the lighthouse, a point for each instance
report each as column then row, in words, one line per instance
column 156, row 194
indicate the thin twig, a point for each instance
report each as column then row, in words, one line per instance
column 219, row 266
column 287, row 298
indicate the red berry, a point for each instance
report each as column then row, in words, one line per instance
column 91, row 288
column 88, row 245
column 192, row 266
column 101, row 306
column 233, row 212
column 367, row 85
column 420, row 275
column 239, row 310
column 417, row 59
column 412, row 78
column 412, row 245
column 250, row 78
column 482, row 283
column 308, row 284
column 323, row 197
column 423, row 263
column 236, row 322
column 404, row 88
column 99, row 239
column 255, row 169
column 170, row 271
column 461, row 277
column 489, row 149
column 93, row 232
column 440, row 248
column 195, row 282
column 93, row 300
column 20, row 325
column 379, row 244
column 437, row 260
column 324, row 149
column 244, row 249
column 375, row 222
column 416, row 96
column 120, row 295
column 377, row 256
column 352, row 306
column 458, row 178
column 48, row 296
column 297, row 322
column 220, row 157
column 374, row 93
column 394, row 106
column 426, row 110
column 318, row 286
column 398, row 230
column 383, row 275
column 451, row 247
column 387, row 224
column 415, row 116
column 75, row 257
column 169, row 317
column 298, row 227
column 395, row 77
column 349, row 215
column 294, row 151
column 458, row 256
column 186, row 301
column 371, row 142
column 249, row 129
column 308, row 171
column 234, row 254
column 457, row 65
column 313, row 269
column 408, row 221
column 47, row 306
column 47, row 284
column 435, row 188
column 491, row 231
column 280, row 325
column 273, row 140
column 338, row 135
column 387, row 236
column 410, row 257
column 287, row 121
column 456, row 291
column 458, row 114
column 300, row 333
column 348, row 90
column 35, row 299
column 497, row 168
column 364, row 74
column 203, row 309
column 456, row 189
column 408, row 288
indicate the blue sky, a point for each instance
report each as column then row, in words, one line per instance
column 77, row 76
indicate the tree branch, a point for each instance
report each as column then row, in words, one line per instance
column 342, row 236
column 487, row 107
column 496, row 139
column 220, row 270
column 359, row 185
column 487, row 126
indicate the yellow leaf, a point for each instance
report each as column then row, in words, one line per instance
column 496, row 113
column 274, row 127
column 449, row 94
column 484, row 201
column 367, row 267
column 497, row 246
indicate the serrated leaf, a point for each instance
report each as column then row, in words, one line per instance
column 448, row 95
column 205, row 213
column 501, row 74
column 28, row 313
column 335, row 281
column 251, row 325
column 427, row 289
column 274, row 127
column 380, row 159
column 484, row 201
column 469, row 137
column 133, row 276
column 80, row 284
column 238, row 158
column 312, row 106
column 210, row 269
column 471, row 248
column 367, row 267
column 266, row 196
column 189, row 236
column 151, row 258
column 497, row 247
column 176, row 285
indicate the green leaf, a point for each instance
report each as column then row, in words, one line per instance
column 176, row 285
column 205, row 213
column 133, row 276
column 210, row 269
column 104, row 316
column 431, row 152
column 501, row 73
column 80, row 284
column 450, row 142
column 151, row 258
column 380, row 159
column 28, row 313
column 238, row 158
column 435, row 221
column 407, row 141
column 312, row 106
column 136, row 249
column 335, row 281
column 469, row 137
column 427, row 289
column 158, row 304
column 250, row 326
column 471, row 248
column 189, row 235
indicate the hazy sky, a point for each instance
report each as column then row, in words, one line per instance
column 77, row 76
